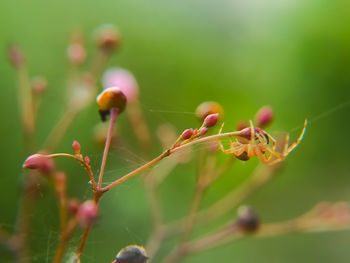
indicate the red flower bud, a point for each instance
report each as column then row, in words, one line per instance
column 87, row 160
column 203, row 131
column 73, row 206
column 108, row 38
column 76, row 147
column 187, row 134
column 211, row 120
column 40, row 162
column 264, row 116
column 87, row 213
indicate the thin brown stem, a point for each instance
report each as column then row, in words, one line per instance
column 82, row 243
column 82, row 162
column 114, row 114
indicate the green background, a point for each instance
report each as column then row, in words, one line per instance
column 292, row 55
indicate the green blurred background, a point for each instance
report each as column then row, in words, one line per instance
column 292, row 55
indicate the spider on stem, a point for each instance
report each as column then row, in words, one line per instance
column 256, row 142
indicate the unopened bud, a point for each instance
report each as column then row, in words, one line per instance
column 39, row 162
column 73, row 206
column 39, row 85
column 60, row 181
column 211, row 120
column 76, row 147
column 110, row 98
column 123, row 79
column 207, row 108
column 241, row 125
column 15, row 56
column 87, row 213
column 108, row 38
column 76, row 53
column 132, row 254
column 247, row 220
column 203, row 131
column 187, row 134
column 264, row 116
column 87, row 160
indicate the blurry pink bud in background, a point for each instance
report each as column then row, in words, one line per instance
column 118, row 77
column 87, row 213
column 39, row 162
column 264, row 116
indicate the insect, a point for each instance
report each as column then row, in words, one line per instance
column 257, row 142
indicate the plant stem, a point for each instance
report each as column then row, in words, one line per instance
column 114, row 114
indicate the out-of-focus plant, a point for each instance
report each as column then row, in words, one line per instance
column 121, row 93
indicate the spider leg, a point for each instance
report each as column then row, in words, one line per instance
column 261, row 156
column 272, row 139
column 301, row 136
column 252, row 137
column 222, row 148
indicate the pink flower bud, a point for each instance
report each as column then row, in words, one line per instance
column 39, row 85
column 76, row 147
column 123, row 79
column 40, row 162
column 207, row 108
column 264, row 116
column 187, row 134
column 87, row 213
column 211, row 120
column 203, row 131
column 108, row 37
column 15, row 56
column 73, row 206
column 87, row 160
column 241, row 125
column 76, row 53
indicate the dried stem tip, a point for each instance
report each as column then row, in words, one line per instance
column 110, row 98
column 211, row 120
column 264, row 116
column 87, row 213
column 39, row 162
column 132, row 254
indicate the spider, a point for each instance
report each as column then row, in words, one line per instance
column 256, row 142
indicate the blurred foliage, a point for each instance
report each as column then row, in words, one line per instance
column 292, row 55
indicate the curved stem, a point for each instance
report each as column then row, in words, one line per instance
column 114, row 114
column 82, row 162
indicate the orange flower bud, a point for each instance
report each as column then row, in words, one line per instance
column 110, row 98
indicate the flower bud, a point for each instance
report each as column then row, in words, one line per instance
column 247, row 220
column 15, row 56
column 132, row 254
column 264, row 116
column 187, row 134
column 203, row 131
column 76, row 53
column 207, row 108
column 39, row 85
column 110, row 98
column 60, row 182
column 108, row 37
column 87, row 213
column 76, row 147
column 241, row 125
column 39, row 162
column 210, row 120
column 118, row 77
column 73, row 206
column 87, row 160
